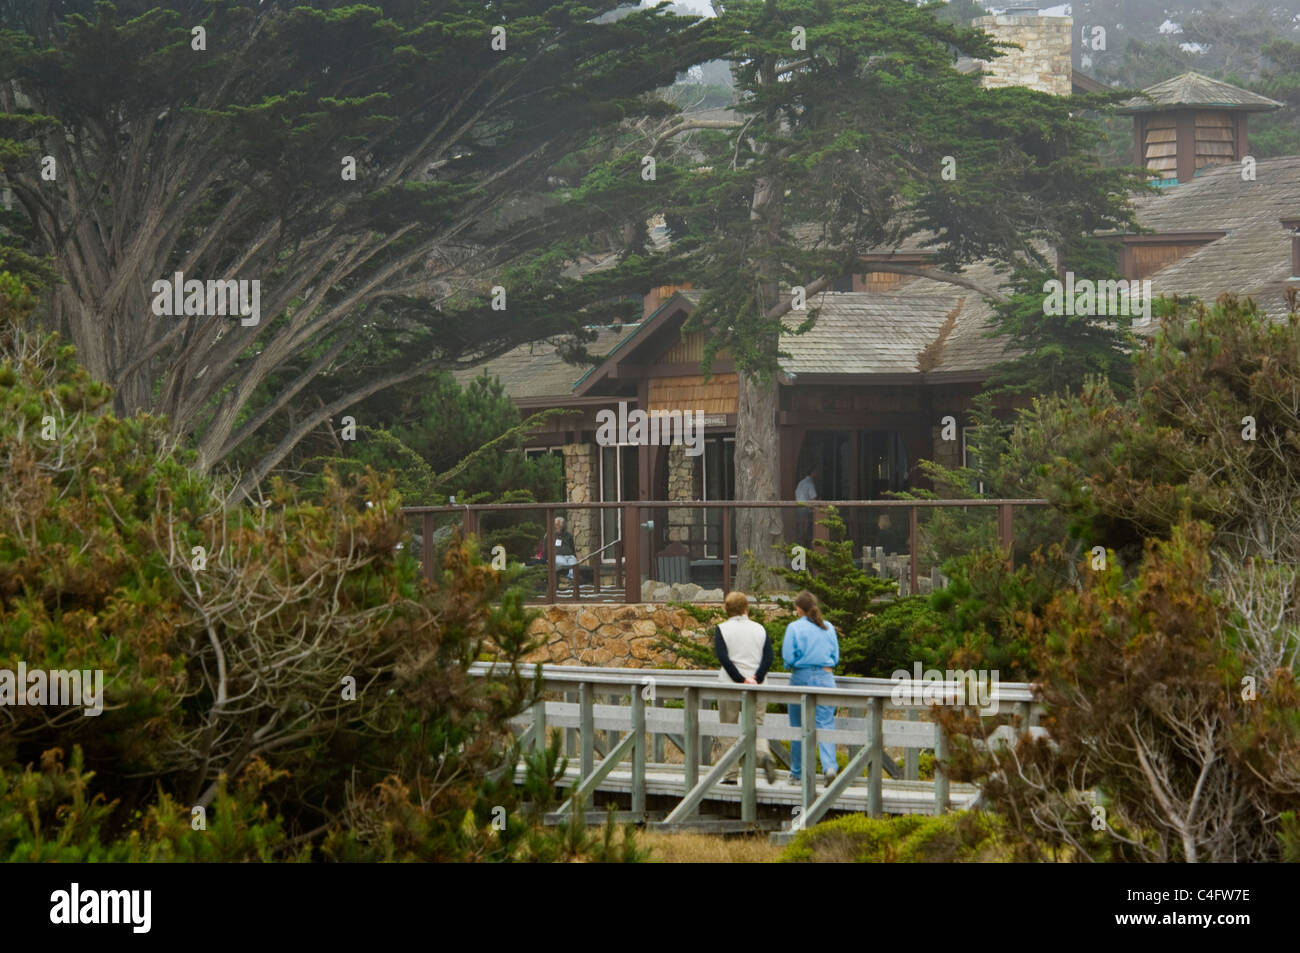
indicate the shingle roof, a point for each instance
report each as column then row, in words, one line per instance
column 886, row 332
column 855, row 333
column 872, row 333
column 537, row 370
column 967, row 348
column 1191, row 90
column 1254, row 258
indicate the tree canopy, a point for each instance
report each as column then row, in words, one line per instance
column 379, row 171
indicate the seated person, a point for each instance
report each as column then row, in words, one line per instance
column 565, row 555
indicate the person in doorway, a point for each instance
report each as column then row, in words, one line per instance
column 744, row 650
column 565, row 554
column 805, row 492
column 811, row 650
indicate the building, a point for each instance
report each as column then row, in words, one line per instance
column 866, row 393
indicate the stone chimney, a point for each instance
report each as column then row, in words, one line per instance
column 1044, row 61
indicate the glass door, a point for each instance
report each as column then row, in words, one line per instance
column 618, row 482
column 719, row 484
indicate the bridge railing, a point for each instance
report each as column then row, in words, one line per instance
column 635, row 707
column 648, row 539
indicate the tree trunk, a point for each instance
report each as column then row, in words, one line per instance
column 758, row 455
column 757, row 465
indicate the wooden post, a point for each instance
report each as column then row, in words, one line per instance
column 570, row 734
column 632, row 552
column 638, row 752
column 549, row 555
column 748, row 771
column 912, row 756
column 876, row 770
column 658, row 736
column 809, row 767
column 426, row 545
column 539, row 720
column 469, row 523
column 611, row 736
column 913, row 537
column 587, row 730
column 940, row 770
column 726, row 550
column 691, row 753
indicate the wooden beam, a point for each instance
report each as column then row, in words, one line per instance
column 584, row 789
column 696, row 794
column 638, row 752
column 691, row 748
column 875, row 758
column 748, row 772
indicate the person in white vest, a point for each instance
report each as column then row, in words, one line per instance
column 745, row 651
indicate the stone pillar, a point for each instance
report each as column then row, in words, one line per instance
column 946, row 453
column 581, row 473
column 681, row 486
column 1044, row 61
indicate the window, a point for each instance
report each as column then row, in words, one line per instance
column 618, row 482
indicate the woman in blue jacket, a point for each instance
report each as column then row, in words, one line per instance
column 811, row 651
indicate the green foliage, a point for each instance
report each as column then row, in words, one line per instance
column 958, row 837
column 1125, row 471
column 873, row 630
column 357, row 733
column 976, row 621
column 1056, row 354
column 1289, row 837
column 838, row 153
column 468, row 161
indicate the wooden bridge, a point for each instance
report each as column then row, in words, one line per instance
column 636, row 719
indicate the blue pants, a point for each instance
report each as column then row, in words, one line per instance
column 825, row 720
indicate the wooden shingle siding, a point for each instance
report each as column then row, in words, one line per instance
column 690, row 350
column 1161, row 144
column 1215, row 138
column 1148, row 259
column 877, row 281
column 718, row 395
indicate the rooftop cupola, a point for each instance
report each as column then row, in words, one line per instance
column 1191, row 121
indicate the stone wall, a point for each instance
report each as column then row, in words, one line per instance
column 581, row 473
column 681, row 486
column 613, row 636
column 1043, row 63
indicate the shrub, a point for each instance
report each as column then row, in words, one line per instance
column 280, row 664
column 959, row 837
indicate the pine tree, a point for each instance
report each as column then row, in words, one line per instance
column 849, row 115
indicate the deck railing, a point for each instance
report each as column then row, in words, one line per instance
column 634, row 552
column 634, row 707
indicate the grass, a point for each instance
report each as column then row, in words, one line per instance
column 708, row 848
